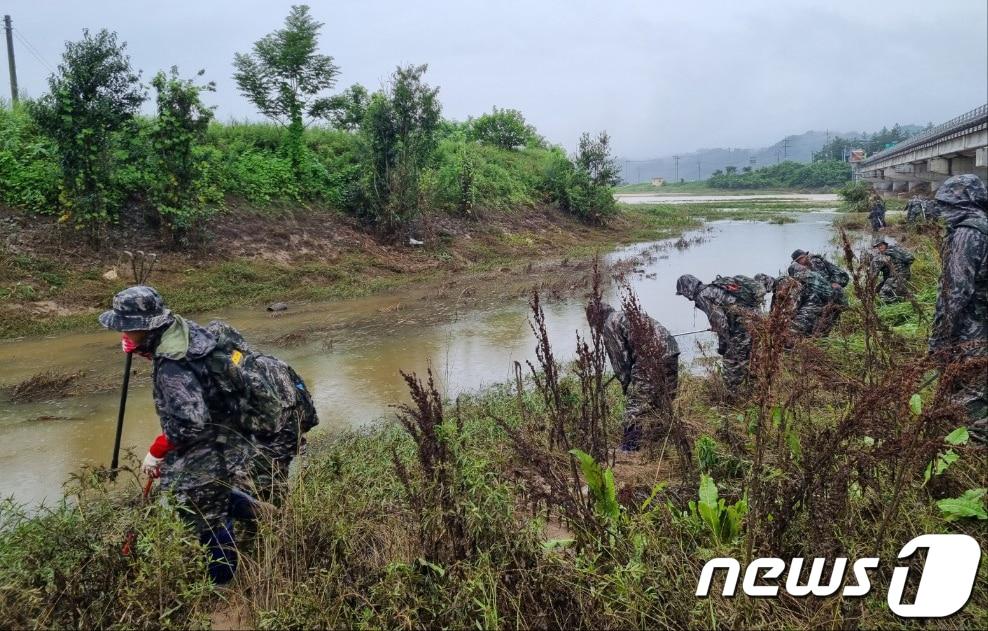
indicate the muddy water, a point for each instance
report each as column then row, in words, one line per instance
column 352, row 350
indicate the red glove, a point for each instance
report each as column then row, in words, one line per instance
column 127, row 344
column 160, row 447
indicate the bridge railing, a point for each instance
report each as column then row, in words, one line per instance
column 978, row 114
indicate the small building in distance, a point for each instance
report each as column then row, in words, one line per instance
column 658, row 181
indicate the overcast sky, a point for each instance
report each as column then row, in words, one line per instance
column 660, row 76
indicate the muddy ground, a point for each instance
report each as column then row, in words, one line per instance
column 52, row 278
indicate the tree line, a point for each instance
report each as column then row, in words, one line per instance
column 839, row 148
column 789, row 174
column 83, row 151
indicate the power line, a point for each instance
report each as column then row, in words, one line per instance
column 34, row 51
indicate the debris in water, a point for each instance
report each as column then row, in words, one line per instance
column 50, row 384
column 278, row 306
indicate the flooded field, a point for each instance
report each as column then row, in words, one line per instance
column 350, row 352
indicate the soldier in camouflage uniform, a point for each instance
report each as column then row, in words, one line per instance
column 200, row 427
column 833, row 274
column 920, row 209
column 814, row 300
column 960, row 324
column 726, row 316
column 876, row 213
column 892, row 265
column 623, row 354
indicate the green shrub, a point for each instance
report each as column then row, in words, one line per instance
column 63, row 567
column 28, row 163
column 854, row 196
column 261, row 177
column 468, row 175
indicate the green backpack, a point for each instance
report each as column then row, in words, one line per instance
column 748, row 291
column 265, row 387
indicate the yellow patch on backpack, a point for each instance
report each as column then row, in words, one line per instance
column 236, row 357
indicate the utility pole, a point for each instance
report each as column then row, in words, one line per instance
column 676, row 158
column 698, row 169
column 639, row 176
column 10, row 59
column 785, row 148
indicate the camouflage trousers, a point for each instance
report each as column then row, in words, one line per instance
column 805, row 321
column 268, row 469
column 639, row 402
column 735, row 364
column 972, row 395
column 200, row 481
column 892, row 291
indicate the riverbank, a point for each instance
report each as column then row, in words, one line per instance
column 484, row 521
column 51, row 281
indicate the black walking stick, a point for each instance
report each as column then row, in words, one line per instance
column 141, row 266
column 120, row 415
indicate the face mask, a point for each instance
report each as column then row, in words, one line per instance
column 129, row 346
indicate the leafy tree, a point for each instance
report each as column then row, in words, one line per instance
column 595, row 159
column 284, row 76
column 730, row 170
column 347, row 109
column 505, row 128
column 179, row 190
column 399, row 135
column 583, row 186
column 94, row 94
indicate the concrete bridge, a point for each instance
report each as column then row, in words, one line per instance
column 953, row 148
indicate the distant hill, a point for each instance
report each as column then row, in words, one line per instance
column 799, row 148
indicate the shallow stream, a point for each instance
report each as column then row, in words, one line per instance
column 352, row 350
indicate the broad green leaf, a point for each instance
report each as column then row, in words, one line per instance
column 970, row 504
column 708, row 491
column 959, row 436
column 916, row 404
column 946, row 460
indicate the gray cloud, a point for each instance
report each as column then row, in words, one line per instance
column 661, row 77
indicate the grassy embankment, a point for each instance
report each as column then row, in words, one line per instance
column 51, row 282
column 472, row 513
